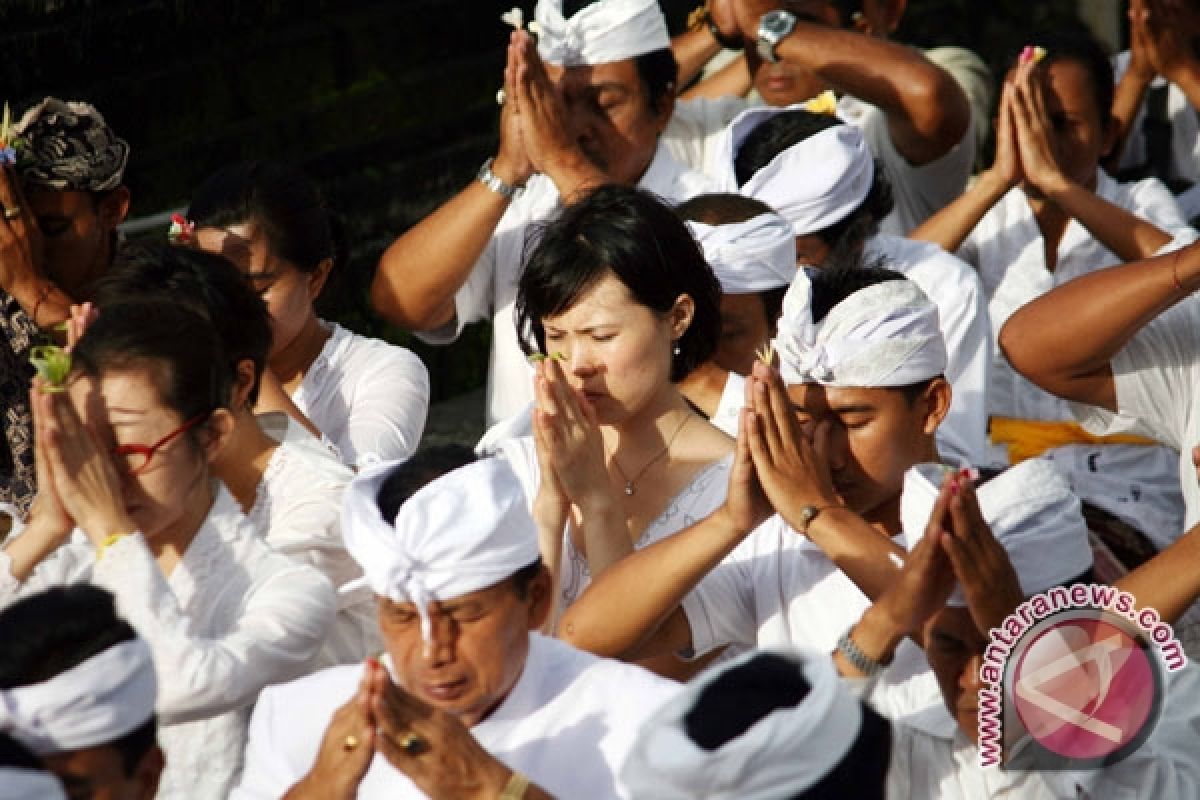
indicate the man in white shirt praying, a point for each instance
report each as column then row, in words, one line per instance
column 583, row 106
column 467, row 702
column 77, row 691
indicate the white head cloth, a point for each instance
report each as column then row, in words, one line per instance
column 752, row 256
column 465, row 531
column 600, row 33
column 885, row 335
column 784, row 753
column 93, row 703
column 814, row 183
column 1032, row 512
column 29, row 784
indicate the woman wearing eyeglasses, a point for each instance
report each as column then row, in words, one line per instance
column 127, row 501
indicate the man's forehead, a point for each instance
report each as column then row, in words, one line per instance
column 622, row 74
column 815, row 398
column 486, row 594
column 45, row 202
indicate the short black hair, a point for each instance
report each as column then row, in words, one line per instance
column 659, row 73
column 206, row 283
column 425, row 466
column 58, row 629
column 721, row 208
column 636, row 237
column 788, row 129
column 523, row 578
column 832, row 286
column 1085, row 50
column 195, row 379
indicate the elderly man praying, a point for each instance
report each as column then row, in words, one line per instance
column 467, row 702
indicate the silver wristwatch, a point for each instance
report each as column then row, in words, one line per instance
column 773, row 28
column 495, row 183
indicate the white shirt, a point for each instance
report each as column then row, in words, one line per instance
column 491, row 288
column 962, row 317
column 366, row 396
column 729, row 407
column 693, row 134
column 778, row 589
column 1185, row 129
column 234, row 616
column 1136, row 483
column 567, row 725
column 1156, row 376
column 298, row 508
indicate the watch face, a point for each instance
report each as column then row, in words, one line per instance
column 775, row 21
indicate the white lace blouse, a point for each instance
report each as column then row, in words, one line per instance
column 233, row 617
column 298, row 508
column 367, row 396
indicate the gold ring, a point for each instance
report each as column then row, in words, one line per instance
column 412, row 744
column 12, row 213
column 350, row 743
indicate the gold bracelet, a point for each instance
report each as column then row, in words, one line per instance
column 515, row 788
column 107, row 543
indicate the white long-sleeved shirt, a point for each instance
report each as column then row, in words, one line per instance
column 233, row 617
column 1139, row 484
column 366, row 396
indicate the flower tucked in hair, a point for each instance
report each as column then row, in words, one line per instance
column 9, row 144
column 181, row 231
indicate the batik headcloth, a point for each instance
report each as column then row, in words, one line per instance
column 70, row 148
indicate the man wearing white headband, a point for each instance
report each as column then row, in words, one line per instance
column 913, row 113
column 770, row 725
column 583, row 107
column 862, row 360
column 749, row 248
column 77, row 691
column 818, row 173
column 467, row 702
column 962, row 578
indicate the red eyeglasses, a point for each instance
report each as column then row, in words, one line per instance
column 137, row 456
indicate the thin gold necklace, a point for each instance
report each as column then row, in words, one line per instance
column 631, row 483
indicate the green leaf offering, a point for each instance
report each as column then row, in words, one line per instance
column 53, row 365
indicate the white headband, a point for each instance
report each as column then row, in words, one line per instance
column 784, row 753
column 29, row 784
column 883, row 336
column 466, row 531
column 600, row 33
column 93, row 703
column 1032, row 512
column 752, row 256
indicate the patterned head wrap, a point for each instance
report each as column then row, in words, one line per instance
column 69, row 147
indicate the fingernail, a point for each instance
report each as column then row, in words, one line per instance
column 1026, row 54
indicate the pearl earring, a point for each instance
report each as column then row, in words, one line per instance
column 675, row 350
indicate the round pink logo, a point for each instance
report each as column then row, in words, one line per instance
column 1086, row 686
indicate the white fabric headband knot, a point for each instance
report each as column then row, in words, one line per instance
column 465, row 531
column 600, row 33
column 814, row 183
column 882, row 336
column 93, row 703
column 752, row 256
column 1032, row 512
column 784, row 753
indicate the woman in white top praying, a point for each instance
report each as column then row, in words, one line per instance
column 366, row 396
column 619, row 304
column 285, row 480
column 127, row 501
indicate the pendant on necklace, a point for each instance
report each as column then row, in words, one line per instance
column 629, row 488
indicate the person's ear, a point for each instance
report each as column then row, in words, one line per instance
column 541, row 599
column 318, row 277
column 220, row 432
column 681, row 315
column 114, row 208
column 148, row 772
column 936, row 400
column 245, row 381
